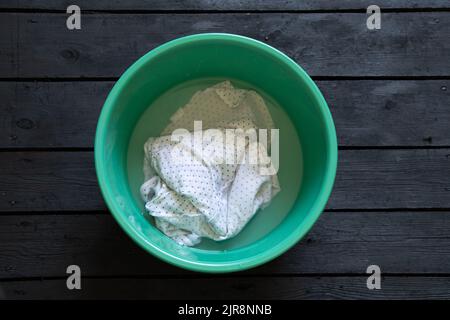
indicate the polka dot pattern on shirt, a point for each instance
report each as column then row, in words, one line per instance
column 187, row 189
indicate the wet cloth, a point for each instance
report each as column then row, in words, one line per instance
column 198, row 185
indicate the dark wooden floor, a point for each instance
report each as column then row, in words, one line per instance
column 388, row 91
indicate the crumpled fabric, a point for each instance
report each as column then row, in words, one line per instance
column 191, row 187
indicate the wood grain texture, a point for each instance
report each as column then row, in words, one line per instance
column 50, row 114
column 389, row 207
column 369, row 179
column 289, row 288
column 339, row 243
column 219, row 4
column 48, row 181
column 366, row 112
column 325, row 44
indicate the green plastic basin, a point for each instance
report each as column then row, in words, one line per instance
column 246, row 61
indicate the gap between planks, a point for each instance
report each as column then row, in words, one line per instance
column 212, row 11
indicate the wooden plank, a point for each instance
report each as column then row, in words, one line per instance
column 325, row 44
column 392, row 179
column 219, row 4
column 54, row 181
column 366, row 112
column 48, row 181
column 339, row 243
column 234, row 288
column 389, row 113
column 50, row 114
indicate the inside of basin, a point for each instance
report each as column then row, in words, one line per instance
column 156, row 117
